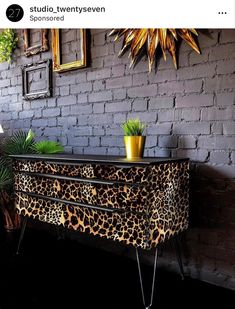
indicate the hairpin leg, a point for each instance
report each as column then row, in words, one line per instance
column 176, row 244
column 141, row 280
column 21, row 234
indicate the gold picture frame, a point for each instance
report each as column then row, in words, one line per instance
column 38, row 48
column 56, row 50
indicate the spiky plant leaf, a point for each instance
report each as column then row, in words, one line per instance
column 44, row 147
column 19, row 143
column 133, row 127
column 5, row 177
column 30, row 136
column 5, row 161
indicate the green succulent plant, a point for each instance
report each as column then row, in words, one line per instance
column 8, row 43
column 133, row 127
column 49, row 147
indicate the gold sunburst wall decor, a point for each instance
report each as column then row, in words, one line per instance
column 151, row 39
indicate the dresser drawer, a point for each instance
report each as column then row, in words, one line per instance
column 128, row 227
column 121, row 173
column 127, row 197
column 50, row 187
column 53, row 168
column 121, row 196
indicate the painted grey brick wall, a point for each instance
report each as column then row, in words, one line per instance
column 189, row 112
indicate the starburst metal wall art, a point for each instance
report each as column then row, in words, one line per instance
column 151, row 39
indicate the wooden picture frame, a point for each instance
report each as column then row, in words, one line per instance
column 33, row 67
column 33, row 50
column 56, row 50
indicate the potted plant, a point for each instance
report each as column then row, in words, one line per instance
column 133, row 138
column 19, row 143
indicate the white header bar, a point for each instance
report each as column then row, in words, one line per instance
column 121, row 14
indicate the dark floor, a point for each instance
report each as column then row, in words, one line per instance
column 51, row 273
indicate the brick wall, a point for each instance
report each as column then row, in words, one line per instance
column 189, row 112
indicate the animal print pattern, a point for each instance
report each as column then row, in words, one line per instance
column 121, row 196
column 126, row 227
column 168, row 200
column 39, row 209
column 133, row 174
column 151, row 212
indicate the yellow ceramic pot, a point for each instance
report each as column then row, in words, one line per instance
column 134, row 146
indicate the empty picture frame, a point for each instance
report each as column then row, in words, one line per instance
column 37, row 80
column 57, row 39
column 39, row 47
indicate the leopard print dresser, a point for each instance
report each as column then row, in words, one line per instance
column 140, row 203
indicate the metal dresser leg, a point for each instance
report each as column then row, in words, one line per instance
column 141, row 280
column 24, row 223
column 176, row 244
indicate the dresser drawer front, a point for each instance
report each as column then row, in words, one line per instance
column 129, row 228
column 119, row 196
column 131, row 198
column 53, row 168
column 129, row 174
column 62, row 189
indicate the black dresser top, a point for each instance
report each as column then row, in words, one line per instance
column 95, row 159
